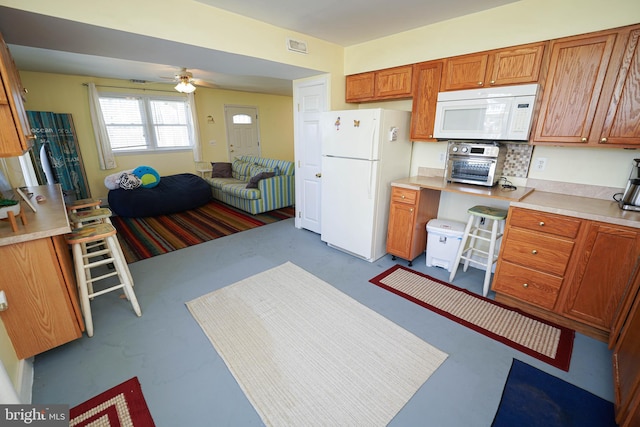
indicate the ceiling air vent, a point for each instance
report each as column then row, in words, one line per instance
column 297, row 46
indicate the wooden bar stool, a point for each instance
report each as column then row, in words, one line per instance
column 475, row 233
column 85, row 260
column 83, row 204
column 91, row 216
column 79, row 217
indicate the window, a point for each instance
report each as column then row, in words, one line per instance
column 146, row 122
column 242, row 119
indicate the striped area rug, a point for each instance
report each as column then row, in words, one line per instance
column 545, row 341
column 143, row 238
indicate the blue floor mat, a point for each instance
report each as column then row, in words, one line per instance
column 533, row 398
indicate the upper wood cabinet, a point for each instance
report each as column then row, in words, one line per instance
column 15, row 132
column 591, row 93
column 513, row 65
column 390, row 83
column 426, row 84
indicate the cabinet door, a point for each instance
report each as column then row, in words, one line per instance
column 402, row 217
column 625, row 341
column 464, row 72
column 577, row 70
column 426, row 78
column 15, row 132
column 520, row 64
column 41, row 313
column 394, row 82
column 602, row 274
column 360, row 87
column 622, row 122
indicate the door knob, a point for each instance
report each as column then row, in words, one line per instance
column 318, row 175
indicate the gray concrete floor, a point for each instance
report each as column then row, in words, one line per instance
column 186, row 383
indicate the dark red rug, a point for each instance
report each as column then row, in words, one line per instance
column 536, row 337
column 142, row 238
column 120, row 406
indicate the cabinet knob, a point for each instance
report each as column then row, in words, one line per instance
column 493, row 82
column 525, row 285
column 603, row 140
column 411, row 210
column 534, row 251
column 430, row 136
column 402, row 197
column 541, row 224
column 318, row 175
column 583, row 139
column 479, row 83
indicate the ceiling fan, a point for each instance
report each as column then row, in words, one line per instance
column 185, row 83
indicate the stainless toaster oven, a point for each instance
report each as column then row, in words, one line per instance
column 478, row 163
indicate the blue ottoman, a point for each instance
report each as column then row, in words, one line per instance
column 174, row 193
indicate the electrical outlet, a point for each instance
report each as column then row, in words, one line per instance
column 443, row 157
column 540, row 164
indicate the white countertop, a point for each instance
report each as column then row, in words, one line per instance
column 580, row 207
column 50, row 218
column 440, row 184
column 526, row 197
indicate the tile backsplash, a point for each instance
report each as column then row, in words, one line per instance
column 517, row 160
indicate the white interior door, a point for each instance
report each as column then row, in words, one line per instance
column 243, row 133
column 310, row 101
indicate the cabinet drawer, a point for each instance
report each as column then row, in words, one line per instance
column 545, row 223
column 532, row 286
column 404, row 195
column 537, row 251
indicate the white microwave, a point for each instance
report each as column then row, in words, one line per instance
column 497, row 113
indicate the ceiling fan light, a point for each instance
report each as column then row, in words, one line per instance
column 185, row 87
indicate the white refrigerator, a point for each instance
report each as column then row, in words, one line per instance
column 362, row 152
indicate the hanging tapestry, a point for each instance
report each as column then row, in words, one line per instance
column 56, row 155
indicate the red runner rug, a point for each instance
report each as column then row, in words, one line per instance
column 142, row 238
column 536, row 337
column 120, row 406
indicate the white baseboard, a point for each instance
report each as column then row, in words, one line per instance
column 25, row 380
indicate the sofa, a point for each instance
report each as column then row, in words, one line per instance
column 254, row 184
column 172, row 194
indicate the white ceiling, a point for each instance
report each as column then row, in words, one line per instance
column 80, row 49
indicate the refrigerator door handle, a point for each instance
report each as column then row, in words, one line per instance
column 373, row 140
column 371, row 183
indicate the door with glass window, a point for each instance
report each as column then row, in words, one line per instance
column 242, row 131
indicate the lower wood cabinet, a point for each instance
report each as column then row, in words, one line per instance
column 625, row 342
column 409, row 212
column 569, row 270
column 43, row 308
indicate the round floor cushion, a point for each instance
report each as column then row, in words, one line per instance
column 174, row 193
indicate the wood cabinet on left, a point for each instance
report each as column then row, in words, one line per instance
column 390, row 83
column 15, row 133
column 43, row 310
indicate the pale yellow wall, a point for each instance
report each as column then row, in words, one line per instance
column 67, row 94
column 521, row 22
column 206, row 27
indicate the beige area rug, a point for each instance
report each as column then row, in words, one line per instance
column 539, row 338
column 306, row 354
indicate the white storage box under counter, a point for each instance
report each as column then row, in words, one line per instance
column 443, row 241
